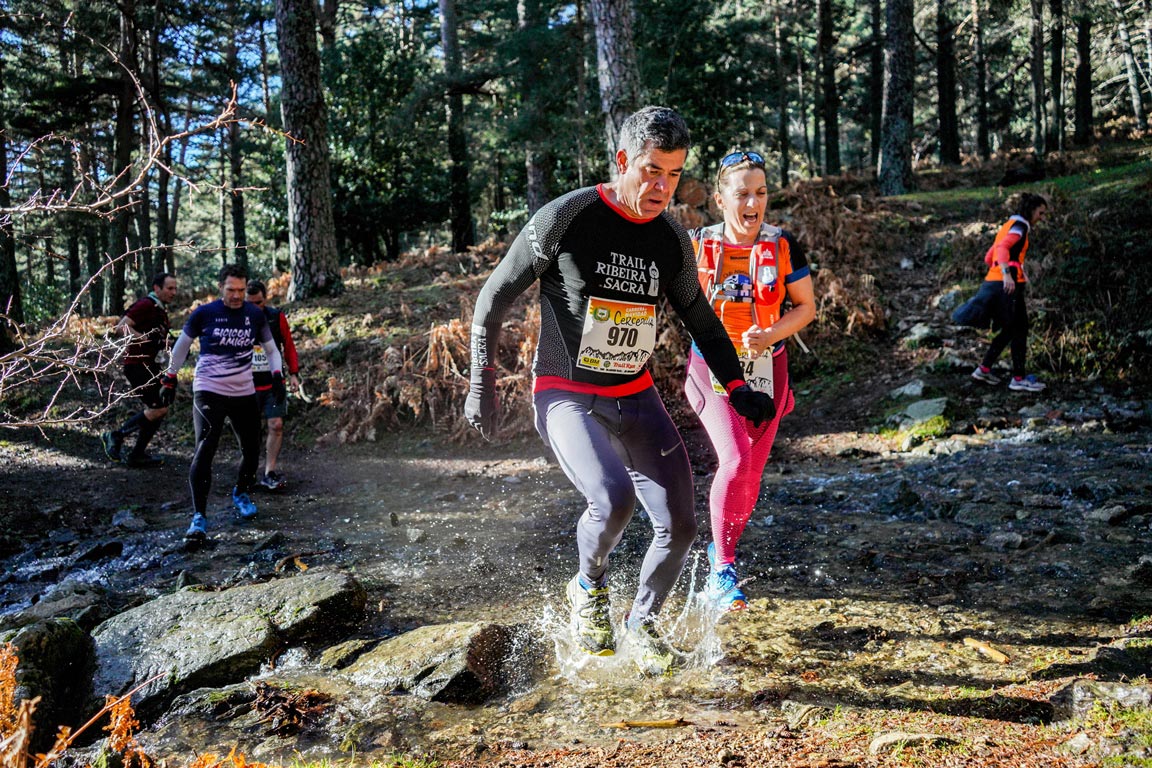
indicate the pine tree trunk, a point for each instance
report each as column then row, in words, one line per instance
column 71, row 226
column 876, row 81
column 164, row 122
column 1056, row 78
column 830, row 95
column 326, row 14
column 459, row 195
column 94, row 256
column 895, row 174
column 125, row 141
column 1037, row 71
column 617, row 72
column 11, row 305
column 236, row 150
column 983, row 146
column 1130, row 66
column 538, row 161
column 311, row 229
column 782, row 97
column 1082, row 136
column 946, row 85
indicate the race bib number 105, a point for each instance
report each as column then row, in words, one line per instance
column 618, row 337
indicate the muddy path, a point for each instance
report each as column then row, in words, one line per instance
column 868, row 568
column 875, row 568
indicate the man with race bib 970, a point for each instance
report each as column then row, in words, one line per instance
column 604, row 256
column 222, row 389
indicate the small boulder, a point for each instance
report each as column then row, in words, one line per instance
column 462, row 662
column 192, row 639
column 56, row 663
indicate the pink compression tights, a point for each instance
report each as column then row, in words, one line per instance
column 742, row 449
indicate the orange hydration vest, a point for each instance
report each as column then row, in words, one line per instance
column 769, row 262
column 1015, row 253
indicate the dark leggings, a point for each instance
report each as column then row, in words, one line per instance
column 209, row 410
column 1012, row 316
column 617, row 451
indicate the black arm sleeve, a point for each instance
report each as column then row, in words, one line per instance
column 520, row 267
column 700, row 319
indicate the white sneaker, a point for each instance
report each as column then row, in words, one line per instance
column 985, row 376
column 1027, row 384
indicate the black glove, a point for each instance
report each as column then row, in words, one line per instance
column 482, row 404
column 278, row 390
column 757, row 407
column 167, row 388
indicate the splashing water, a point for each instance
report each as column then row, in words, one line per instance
column 692, row 631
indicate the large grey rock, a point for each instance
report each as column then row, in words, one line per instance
column 459, row 662
column 193, row 639
column 1076, row 699
column 55, row 663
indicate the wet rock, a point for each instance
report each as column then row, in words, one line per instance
column 1002, row 541
column 127, row 520
column 341, row 655
column 1095, row 489
column 981, row 515
column 461, row 662
column 1077, row 699
column 898, row 739
column 271, row 542
column 86, row 604
column 416, row 535
column 104, row 550
column 1112, row 515
column 56, row 663
column 1142, row 571
column 195, row 639
column 186, row 579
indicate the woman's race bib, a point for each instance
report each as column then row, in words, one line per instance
column 618, row 337
column 758, row 373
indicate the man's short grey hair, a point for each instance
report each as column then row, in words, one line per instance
column 659, row 128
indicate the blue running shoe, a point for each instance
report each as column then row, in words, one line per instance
column 244, row 504
column 723, row 586
column 198, row 530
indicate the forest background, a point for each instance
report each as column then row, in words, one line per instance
column 303, row 139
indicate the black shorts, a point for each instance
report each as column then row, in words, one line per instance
column 145, row 380
column 271, row 407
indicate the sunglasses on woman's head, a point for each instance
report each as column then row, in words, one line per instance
column 739, row 157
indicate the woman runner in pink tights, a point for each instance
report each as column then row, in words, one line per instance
column 748, row 269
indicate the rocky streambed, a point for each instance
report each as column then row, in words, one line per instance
column 408, row 598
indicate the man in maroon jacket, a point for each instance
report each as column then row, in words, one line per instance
column 273, row 408
column 146, row 323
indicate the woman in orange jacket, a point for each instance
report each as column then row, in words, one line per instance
column 748, row 269
column 1005, row 261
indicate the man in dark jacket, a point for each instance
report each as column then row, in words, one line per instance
column 146, row 323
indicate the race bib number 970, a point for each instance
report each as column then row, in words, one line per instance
column 618, row 337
